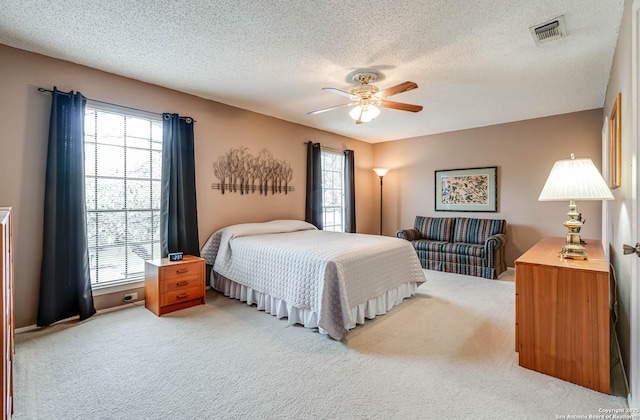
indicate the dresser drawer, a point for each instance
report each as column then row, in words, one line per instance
column 181, row 270
column 181, row 283
column 182, row 295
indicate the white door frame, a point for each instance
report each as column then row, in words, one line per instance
column 634, row 371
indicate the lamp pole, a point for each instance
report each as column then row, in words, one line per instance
column 381, row 205
column 381, row 173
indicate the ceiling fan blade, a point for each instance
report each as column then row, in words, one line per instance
column 359, row 120
column 338, row 92
column 394, row 90
column 320, row 111
column 401, row 106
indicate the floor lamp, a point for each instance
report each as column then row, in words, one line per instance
column 381, row 173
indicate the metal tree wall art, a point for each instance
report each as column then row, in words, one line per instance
column 240, row 171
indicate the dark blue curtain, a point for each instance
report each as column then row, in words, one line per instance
column 313, row 212
column 65, row 282
column 178, row 212
column 349, row 192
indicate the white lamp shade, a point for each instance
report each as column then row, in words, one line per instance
column 355, row 112
column 368, row 114
column 381, row 171
column 373, row 111
column 575, row 179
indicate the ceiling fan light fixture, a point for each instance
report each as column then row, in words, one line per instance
column 355, row 112
column 373, row 111
column 364, row 113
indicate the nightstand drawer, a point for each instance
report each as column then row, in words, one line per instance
column 180, row 283
column 182, row 295
column 181, row 270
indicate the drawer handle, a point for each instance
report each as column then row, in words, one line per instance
column 184, row 270
column 182, row 283
column 182, row 296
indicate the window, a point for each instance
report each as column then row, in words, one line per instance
column 333, row 191
column 123, row 163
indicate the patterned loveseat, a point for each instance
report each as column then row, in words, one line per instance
column 474, row 247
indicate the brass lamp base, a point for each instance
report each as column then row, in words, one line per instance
column 573, row 254
column 573, row 249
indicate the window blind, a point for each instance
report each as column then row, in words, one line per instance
column 332, row 191
column 123, row 158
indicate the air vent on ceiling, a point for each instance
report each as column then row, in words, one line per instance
column 548, row 31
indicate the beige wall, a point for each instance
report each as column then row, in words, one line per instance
column 24, row 116
column 524, row 153
column 620, row 212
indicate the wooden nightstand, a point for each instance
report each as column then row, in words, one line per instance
column 173, row 285
column 562, row 314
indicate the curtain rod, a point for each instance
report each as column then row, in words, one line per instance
column 333, row 149
column 41, row 89
column 328, row 148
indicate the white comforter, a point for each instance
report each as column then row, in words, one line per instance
column 325, row 272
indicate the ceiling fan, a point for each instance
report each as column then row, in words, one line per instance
column 367, row 98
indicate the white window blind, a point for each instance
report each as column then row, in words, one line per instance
column 332, row 191
column 123, row 163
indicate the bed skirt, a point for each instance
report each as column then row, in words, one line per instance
column 307, row 317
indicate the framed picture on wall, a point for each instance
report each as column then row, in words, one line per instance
column 472, row 189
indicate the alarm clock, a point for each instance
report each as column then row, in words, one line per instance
column 175, row 256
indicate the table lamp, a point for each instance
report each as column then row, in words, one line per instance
column 574, row 179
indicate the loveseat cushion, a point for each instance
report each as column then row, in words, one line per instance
column 435, row 228
column 428, row 245
column 475, row 250
column 477, row 231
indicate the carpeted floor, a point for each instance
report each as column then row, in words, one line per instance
column 447, row 352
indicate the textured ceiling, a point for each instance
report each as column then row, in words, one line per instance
column 475, row 62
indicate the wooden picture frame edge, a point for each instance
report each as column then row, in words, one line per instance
column 615, row 134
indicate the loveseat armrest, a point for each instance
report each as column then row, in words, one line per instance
column 496, row 241
column 494, row 249
column 409, row 234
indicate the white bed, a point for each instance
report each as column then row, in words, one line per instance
column 326, row 280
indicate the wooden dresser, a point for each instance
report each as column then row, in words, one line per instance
column 173, row 285
column 6, row 268
column 562, row 314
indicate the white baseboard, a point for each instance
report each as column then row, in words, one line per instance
column 75, row 318
column 508, row 275
column 101, row 311
column 25, row 329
